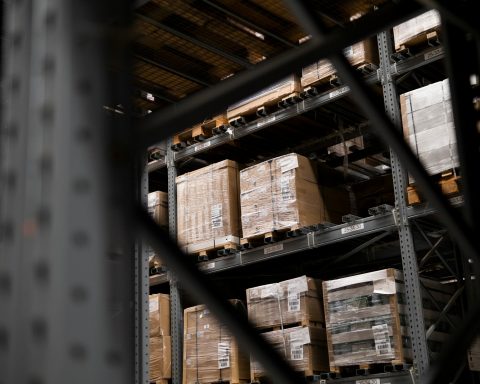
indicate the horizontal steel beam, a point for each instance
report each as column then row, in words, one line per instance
column 238, row 60
column 249, row 24
column 159, row 125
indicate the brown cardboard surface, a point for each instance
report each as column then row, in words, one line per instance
column 158, row 207
column 160, row 358
column 308, row 355
column 288, row 302
column 207, row 204
column 159, row 305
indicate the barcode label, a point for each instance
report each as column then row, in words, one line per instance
column 296, row 352
column 286, row 191
column 294, row 302
column 199, row 147
column 217, row 221
column 273, row 248
column 353, row 228
column 339, row 92
column 432, row 54
column 223, row 355
column 382, row 340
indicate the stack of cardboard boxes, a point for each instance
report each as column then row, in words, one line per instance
column 208, row 208
column 158, row 210
column 210, row 352
column 414, row 30
column 283, row 193
column 160, row 340
column 290, row 314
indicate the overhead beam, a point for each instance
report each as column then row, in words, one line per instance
column 172, row 70
column 238, row 60
column 158, row 126
column 249, row 24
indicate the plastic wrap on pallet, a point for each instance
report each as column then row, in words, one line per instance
column 283, row 193
column 474, row 355
column 159, row 315
column 410, row 29
column 359, row 53
column 428, row 126
column 304, row 347
column 160, row 358
column 288, row 302
column 158, row 207
column 272, row 94
column 211, row 353
column 207, row 207
column 363, row 319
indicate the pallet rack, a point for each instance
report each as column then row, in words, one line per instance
column 43, row 301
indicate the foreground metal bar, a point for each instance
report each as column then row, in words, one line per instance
column 202, row 289
column 160, row 125
column 59, row 320
column 193, row 40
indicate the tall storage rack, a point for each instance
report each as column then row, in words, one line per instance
column 399, row 219
column 57, row 177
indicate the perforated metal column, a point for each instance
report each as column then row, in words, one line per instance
column 142, row 288
column 407, row 250
column 58, row 319
column 176, row 308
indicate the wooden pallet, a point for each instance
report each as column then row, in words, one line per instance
column 449, row 183
column 332, row 80
column 227, row 248
column 265, row 109
column 279, row 235
column 200, row 132
column 368, row 369
column 429, row 38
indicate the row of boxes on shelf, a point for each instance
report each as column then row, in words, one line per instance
column 362, row 55
column 318, row 326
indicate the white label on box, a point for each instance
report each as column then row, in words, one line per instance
column 199, row 147
column 294, row 302
column 369, row 381
column 384, row 286
column 266, row 121
column 206, row 326
column 297, row 285
column 296, row 351
column 223, row 355
column 288, row 163
column 285, row 190
column 217, row 221
column 272, row 290
column 382, row 340
column 432, row 54
column 339, row 92
column 153, row 305
column 273, row 248
column 353, row 228
column 300, row 336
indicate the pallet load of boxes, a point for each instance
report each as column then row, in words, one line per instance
column 160, row 342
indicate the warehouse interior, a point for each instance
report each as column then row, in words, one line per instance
column 252, row 191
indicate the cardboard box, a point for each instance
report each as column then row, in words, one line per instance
column 283, row 193
column 159, row 319
column 267, row 96
column 210, row 352
column 208, row 207
column 428, row 126
column 409, row 31
column 158, row 207
column 288, row 302
column 363, row 52
column 474, row 355
column 160, row 358
column 366, row 318
column 305, row 348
